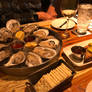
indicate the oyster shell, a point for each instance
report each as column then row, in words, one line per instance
column 16, row 59
column 44, row 52
column 3, row 46
column 30, row 28
column 33, row 59
column 13, row 25
column 42, row 33
column 50, row 37
column 51, row 43
column 4, row 54
column 5, row 34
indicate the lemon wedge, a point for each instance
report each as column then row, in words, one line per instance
column 30, row 44
column 20, row 35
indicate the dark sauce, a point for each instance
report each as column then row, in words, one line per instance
column 17, row 45
column 29, row 38
column 78, row 49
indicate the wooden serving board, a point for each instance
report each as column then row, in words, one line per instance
column 78, row 63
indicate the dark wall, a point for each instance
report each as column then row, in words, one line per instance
column 85, row 1
column 45, row 4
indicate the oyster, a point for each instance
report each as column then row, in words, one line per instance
column 13, row 25
column 4, row 54
column 3, row 46
column 16, row 59
column 5, row 34
column 42, row 33
column 30, row 28
column 51, row 43
column 50, row 37
column 29, row 38
column 44, row 52
column 33, row 59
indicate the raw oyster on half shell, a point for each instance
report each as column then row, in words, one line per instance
column 4, row 54
column 50, row 37
column 30, row 28
column 33, row 59
column 5, row 34
column 13, row 25
column 51, row 43
column 44, row 52
column 42, row 33
column 16, row 59
column 3, row 46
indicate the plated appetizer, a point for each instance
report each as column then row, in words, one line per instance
column 83, row 53
column 30, row 45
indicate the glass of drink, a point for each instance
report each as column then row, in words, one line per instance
column 68, row 9
column 84, row 17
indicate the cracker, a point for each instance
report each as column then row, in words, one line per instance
column 62, row 72
column 48, row 79
column 65, row 70
column 54, row 79
column 54, row 76
column 45, row 83
column 60, row 75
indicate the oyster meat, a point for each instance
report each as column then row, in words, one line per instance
column 44, row 52
column 13, row 25
column 30, row 28
column 42, row 33
column 4, row 54
column 50, row 37
column 51, row 43
column 33, row 59
column 16, row 59
column 3, row 46
column 5, row 34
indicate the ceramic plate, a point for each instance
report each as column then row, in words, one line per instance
column 58, row 22
column 67, row 51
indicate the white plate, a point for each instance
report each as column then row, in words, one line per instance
column 89, row 87
column 67, row 51
column 58, row 22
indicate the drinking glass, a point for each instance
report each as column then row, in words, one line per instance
column 68, row 9
column 84, row 17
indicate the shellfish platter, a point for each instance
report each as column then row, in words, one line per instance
column 27, row 46
column 51, row 78
column 77, row 60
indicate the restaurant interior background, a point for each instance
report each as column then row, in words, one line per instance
column 45, row 45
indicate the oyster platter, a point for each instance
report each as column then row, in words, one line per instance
column 79, row 54
column 27, row 46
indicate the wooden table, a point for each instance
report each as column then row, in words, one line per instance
column 17, row 84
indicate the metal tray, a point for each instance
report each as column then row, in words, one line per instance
column 33, row 78
column 21, row 70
